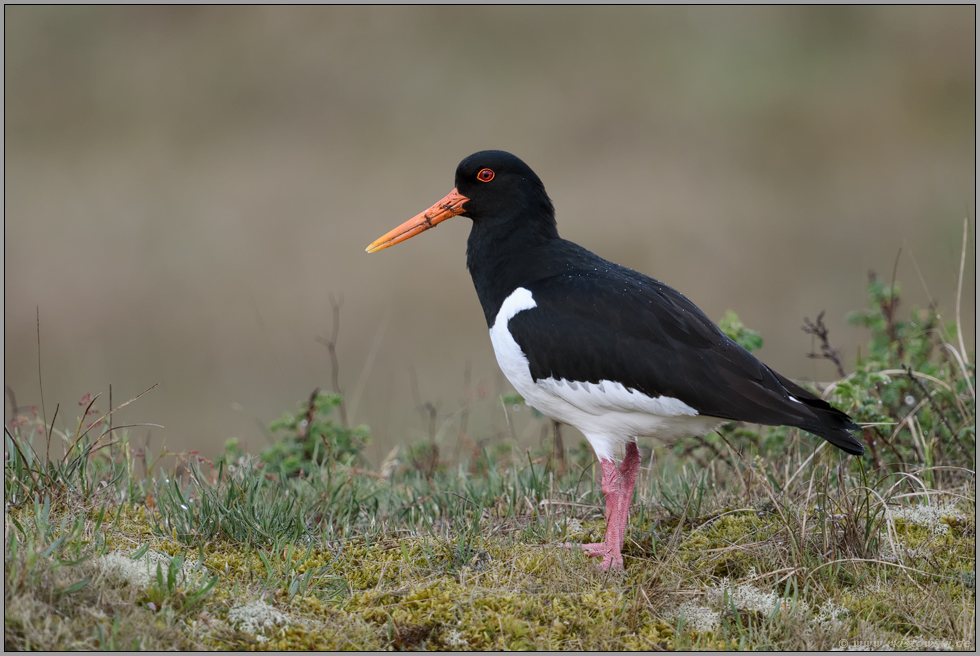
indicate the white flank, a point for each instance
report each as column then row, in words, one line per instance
column 607, row 412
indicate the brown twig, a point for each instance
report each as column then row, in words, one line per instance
column 510, row 427
column 356, row 471
column 13, row 408
column 819, row 330
column 959, row 292
column 558, row 447
column 932, row 403
column 888, row 308
column 310, row 413
column 689, row 453
column 22, row 457
column 50, row 429
column 892, row 305
column 464, row 415
column 331, row 344
column 112, row 451
column 44, row 415
column 699, row 442
column 426, row 409
column 79, row 434
column 887, row 442
column 428, row 461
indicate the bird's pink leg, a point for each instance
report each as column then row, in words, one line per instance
column 628, row 470
column 605, row 549
column 617, row 485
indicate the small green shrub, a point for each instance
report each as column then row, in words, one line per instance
column 913, row 384
column 745, row 337
column 310, row 438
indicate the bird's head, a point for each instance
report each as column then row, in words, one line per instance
column 491, row 186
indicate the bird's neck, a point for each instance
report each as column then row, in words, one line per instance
column 503, row 255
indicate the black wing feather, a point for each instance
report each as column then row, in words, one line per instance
column 622, row 326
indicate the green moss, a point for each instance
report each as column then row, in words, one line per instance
column 499, row 590
column 521, row 601
column 713, row 548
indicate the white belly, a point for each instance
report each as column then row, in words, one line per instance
column 607, row 413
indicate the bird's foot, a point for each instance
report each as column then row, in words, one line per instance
column 611, row 557
column 592, row 549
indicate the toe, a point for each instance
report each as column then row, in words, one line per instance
column 592, row 549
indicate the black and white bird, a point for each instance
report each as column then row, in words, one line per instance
column 599, row 346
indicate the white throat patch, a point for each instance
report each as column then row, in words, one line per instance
column 519, row 300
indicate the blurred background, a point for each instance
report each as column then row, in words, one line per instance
column 187, row 187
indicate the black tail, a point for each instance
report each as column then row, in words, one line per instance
column 834, row 428
column 824, row 419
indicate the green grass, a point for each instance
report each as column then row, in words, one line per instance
column 744, row 539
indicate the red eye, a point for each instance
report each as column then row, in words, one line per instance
column 486, row 175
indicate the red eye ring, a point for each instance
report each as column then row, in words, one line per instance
column 485, row 175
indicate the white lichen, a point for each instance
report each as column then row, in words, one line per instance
column 573, row 527
column 829, row 613
column 747, row 597
column 721, row 598
column 142, row 572
column 390, row 464
column 455, row 639
column 929, row 516
column 256, row 618
column 701, row 619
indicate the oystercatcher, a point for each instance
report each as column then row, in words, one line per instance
column 604, row 348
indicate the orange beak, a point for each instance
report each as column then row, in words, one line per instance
column 448, row 207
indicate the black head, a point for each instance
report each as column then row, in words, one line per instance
column 513, row 224
column 502, row 195
column 501, row 185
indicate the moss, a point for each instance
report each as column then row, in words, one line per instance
column 505, row 584
column 488, row 590
column 521, row 604
column 713, row 547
